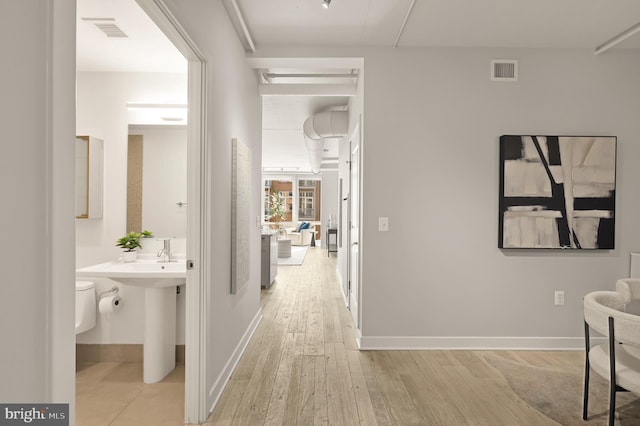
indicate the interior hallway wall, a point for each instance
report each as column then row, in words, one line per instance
column 234, row 110
column 432, row 120
column 330, row 195
column 37, row 363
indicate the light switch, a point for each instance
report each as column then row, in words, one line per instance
column 383, row 224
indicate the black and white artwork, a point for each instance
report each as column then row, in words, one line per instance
column 557, row 192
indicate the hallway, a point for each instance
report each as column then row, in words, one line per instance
column 302, row 367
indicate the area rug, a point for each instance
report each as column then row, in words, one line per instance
column 297, row 256
column 556, row 392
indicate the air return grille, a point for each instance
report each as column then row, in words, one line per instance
column 107, row 26
column 111, row 30
column 504, row 70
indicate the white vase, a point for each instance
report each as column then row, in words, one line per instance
column 129, row 256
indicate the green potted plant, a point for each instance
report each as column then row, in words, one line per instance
column 277, row 208
column 130, row 242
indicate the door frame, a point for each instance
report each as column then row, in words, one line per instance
column 198, row 248
column 357, row 315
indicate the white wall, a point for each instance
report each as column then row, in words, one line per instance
column 102, row 112
column 234, row 110
column 433, row 119
column 36, row 170
column 329, row 201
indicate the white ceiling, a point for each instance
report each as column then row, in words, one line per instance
column 446, row 23
column 146, row 49
column 487, row 23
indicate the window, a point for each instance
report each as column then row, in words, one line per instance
column 283, row 190
column 306, row 210
column 309, row 200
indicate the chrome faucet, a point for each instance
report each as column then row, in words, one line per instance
column 165, row 252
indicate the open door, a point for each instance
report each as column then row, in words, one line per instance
column 354, row 227
column 198, row 248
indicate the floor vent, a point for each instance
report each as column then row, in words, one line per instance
column 504, row 70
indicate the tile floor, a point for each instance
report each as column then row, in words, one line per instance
column 113, row 393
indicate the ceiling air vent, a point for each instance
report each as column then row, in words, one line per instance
column 504, row 70
column 111, row 30
column 107, row 26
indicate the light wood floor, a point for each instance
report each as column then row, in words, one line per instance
column 302, row 367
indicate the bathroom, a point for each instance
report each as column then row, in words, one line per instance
column 113, row 105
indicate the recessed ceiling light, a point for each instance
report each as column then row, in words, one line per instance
column 326, row 3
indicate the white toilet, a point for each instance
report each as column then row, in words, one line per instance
column 85, row 306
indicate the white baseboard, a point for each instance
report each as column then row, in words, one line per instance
column 473, row 343
column 221, row 382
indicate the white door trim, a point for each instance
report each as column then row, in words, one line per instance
column 355, row 143
column 196, row 410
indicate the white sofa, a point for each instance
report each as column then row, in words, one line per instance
column 302, row 238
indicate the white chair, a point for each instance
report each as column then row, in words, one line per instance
column 618, row 360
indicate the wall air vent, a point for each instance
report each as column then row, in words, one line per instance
column 504, row 70
column 107, row 26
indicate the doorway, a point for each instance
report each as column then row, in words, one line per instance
column 198, row 248
column 295, row 90
column 195, row 409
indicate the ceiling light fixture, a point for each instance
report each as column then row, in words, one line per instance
column 326, row 3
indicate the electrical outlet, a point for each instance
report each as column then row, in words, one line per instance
column 559, row 297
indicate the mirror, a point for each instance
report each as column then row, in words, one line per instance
column 89, row 177
column 157, row 180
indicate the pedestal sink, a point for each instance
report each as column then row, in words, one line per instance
column 159, row 281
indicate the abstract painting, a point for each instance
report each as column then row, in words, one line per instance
column 240, row 215
column 557, row 192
